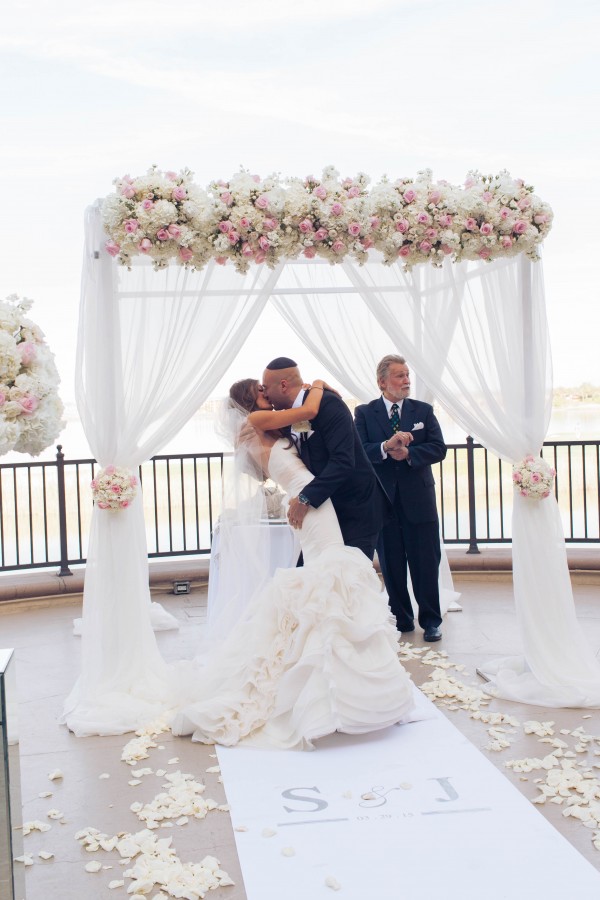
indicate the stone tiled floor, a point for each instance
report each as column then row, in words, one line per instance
column 47, row 656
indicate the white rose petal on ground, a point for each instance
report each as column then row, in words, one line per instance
column 332, row 883
column 104, row 775
column 214, row 770
column 241, row 828
column 55, row 814
column 56, row 775
column 45, row 854
column 26, row 859
column 112, row 885
column 93, row 866
column 45, row 794
column 268, row 832
column 134, row 782
column 288, row 851
column 173, row 762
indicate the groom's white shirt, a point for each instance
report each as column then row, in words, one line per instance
column 298, row 402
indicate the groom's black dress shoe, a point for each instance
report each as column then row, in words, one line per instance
column 406, row 629
column 432, row 634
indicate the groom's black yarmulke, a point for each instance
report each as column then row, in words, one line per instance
column 282, row 362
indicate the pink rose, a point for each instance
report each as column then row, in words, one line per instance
column 145, row 245
column 529, row 458
column 244, row 223
column 409, row 195
column 233, row 237
column 484, row 253
column 2, row 398
column 523, row 493
column 517, row 477
column 354, row 191
column 506, row 241
column 147, row 204
column 336, row 209
column 174, row 231
column 269, row 223
column 346, row 182
column 321, row 234
column 225, row 226
column 131, row 225
column 221, row 260
column 423, row 218
column 172, row 176
column 486, row 228
column 29, row 403
column 520, row 226
column 504, row 212
column 470, row 224
column 402, row 226
column 404, row 250
column 469, row 182
column 264, row 242
column 305, row 226
column 262, row 202
column 487, row 196
column 446, row 249
column 247, row 251
column 445, row 220
column 128, row 191
column 260, row 256
column 124, row 504
column 524, row 203
column 113, row 248
column 110, row 470
column 185, row 254
column 545, row 494
column 115, row 488
column 435, row 196
column 338, row 246
column 552, row 472
column 227, row 198
column 431, row 233
column 375, row 222
column 103, row 505
column 425, row 246
column 320, row 192
column 354, row 229
column 28, row 352
column 256, row 178
column 94, row 484
column 163, row 235
column 310, row 252
column 367, row 242
column 540, row 219
column 179, row 193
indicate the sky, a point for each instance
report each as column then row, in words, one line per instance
column 90, row 91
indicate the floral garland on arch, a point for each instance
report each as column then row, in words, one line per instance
column 167, row 217
column 30, row 408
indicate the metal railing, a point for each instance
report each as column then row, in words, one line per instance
column 45, row 507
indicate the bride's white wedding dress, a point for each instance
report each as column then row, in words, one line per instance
column 317, row 651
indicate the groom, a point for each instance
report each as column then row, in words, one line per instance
column 333, row 452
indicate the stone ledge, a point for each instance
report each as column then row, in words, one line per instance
column 584, row 564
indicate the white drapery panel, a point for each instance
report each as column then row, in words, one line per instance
column 488, row 363
column 331, row 318
column 151, row 348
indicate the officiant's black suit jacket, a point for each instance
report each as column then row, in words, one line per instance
column 335, row 456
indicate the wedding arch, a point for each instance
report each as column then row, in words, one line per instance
column 174, row 279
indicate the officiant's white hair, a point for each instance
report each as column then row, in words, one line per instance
column 383, row 366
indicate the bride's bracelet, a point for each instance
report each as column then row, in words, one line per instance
column 316, row 388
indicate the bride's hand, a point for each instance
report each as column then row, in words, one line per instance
column 326, row 387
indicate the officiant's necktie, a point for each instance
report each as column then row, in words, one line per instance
column 395, row 418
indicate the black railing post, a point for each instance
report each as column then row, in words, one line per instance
column 62, row 513
column 473, row 548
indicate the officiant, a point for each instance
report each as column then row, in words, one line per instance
column 403, row 439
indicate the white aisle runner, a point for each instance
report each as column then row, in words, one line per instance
column 415, row 811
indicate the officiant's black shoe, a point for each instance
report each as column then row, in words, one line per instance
column 406, row 629
column 432, row 634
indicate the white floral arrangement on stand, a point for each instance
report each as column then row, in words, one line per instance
column 533, row 477
column 114, row 488
column 30, row 409
column 248, row 219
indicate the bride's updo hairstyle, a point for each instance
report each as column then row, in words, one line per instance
column 244, row 393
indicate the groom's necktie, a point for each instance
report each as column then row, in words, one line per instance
column 395, row 418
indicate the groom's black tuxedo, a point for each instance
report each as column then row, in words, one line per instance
column 412, row 533
column 335, row 456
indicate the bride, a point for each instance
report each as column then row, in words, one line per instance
column 315, row 650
